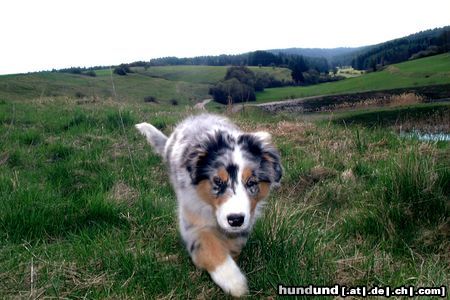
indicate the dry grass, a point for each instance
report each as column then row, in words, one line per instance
column 405, row 99
column 392, row 101
column 123, row 193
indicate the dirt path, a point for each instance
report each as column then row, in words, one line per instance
column 201, row 105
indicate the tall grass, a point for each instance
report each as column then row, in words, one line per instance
column 88, row 211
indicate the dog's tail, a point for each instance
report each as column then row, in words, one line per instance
column 155, row 137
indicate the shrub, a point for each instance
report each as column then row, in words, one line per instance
column 150, row 99
column 91, row 73
column 80, row 95
column 233, row 88
column 242, row 74
column 238, row 86
column 120, row 71
column 266, row 80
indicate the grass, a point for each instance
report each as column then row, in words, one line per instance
column 431, row 118
column 134, row 87
column 206, row 74
column 186, row 84
column 87, row 209
column 426, row 71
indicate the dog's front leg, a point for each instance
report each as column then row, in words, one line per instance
column 209, row 252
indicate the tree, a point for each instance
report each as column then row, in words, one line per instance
column 122, row 70
column 298, row 66
column 241, row 73
column 234, row 89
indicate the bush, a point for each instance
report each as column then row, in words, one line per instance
column 80, row 95
column 238, row 86
column 90, row 73
column 242, row 74
column 120, row 71
column 266, row 80
column 233, row 88
column 150, row 99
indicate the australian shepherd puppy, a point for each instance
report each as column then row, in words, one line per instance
column 221, row 177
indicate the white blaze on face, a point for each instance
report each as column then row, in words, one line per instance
column 239, row 201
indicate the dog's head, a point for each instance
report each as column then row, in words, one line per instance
column 234, row 174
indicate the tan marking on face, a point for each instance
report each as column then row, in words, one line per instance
column 264, row 189
column 212, row 251
column 223, row 174
column 205, row 192
column 246, row 174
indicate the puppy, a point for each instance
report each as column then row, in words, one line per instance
column 221, row 177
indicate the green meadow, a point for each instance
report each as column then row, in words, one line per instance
column 432, row 70
column 87, row 210
column 206, row 74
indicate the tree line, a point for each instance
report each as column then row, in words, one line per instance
column 255, row 58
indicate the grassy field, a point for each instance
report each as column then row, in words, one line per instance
column 199, row 74
column 133, row 87
column 88, row 212
column 426, row 71
column 206, row 74
column 186, row 84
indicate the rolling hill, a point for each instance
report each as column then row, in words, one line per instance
column 186, row 84
column 432, row 70
column 189, row 84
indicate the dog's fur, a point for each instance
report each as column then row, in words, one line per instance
column 221, row 177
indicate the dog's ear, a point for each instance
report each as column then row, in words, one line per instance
column 192, row 162
column 260, row 146
column 263, row 136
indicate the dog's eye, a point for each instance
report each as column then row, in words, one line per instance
column 219, row 186
column 252, row 182
column 217, row 181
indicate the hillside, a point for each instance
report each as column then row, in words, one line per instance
column 426, row 71
column 420, row 44
column 205, row 74
column 186, row 84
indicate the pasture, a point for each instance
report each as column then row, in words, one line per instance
column 432, row 70
column 87, row 210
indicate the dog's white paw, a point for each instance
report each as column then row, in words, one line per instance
column 230, row 278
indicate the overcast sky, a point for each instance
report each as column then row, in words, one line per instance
column 44, row 34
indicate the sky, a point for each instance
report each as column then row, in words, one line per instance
column 45, row 34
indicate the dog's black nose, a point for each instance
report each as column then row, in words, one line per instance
column 235, row 220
